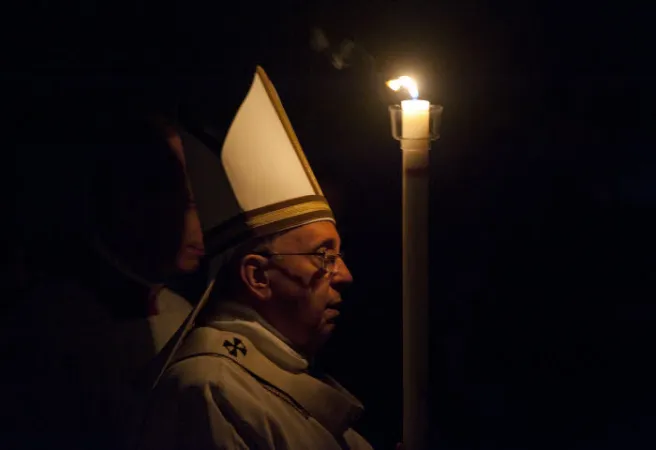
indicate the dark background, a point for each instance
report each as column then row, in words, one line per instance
column 542, row 187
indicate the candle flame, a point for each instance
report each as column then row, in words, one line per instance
column 404, row 82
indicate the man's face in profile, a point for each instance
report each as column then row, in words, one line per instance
column 304, row 295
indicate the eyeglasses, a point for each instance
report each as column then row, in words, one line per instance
column 328, row 260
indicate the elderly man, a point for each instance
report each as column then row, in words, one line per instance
column 242, row 378
column 74, row 348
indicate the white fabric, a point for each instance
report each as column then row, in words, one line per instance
column 258, row 156
column 254, row 395
column 245, row 321
column 172, row 309
column 260, row 164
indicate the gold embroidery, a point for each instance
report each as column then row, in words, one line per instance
column 286, row 213
column 270, row 218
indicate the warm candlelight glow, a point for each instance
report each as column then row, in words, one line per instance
column 415, row 122
column 415, row 118
column 405, row 82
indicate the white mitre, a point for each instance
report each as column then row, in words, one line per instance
column 258, row 182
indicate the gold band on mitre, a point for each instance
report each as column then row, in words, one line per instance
column 266, row 221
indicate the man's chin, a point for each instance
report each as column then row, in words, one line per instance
column 326, row 332
column 321, row 338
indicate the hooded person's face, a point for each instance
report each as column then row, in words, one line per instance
column 192, row 247
column 150, row 219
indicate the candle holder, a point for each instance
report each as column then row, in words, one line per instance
column 415, row 123
column 434, row 123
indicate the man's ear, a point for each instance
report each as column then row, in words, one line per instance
column 253, row 271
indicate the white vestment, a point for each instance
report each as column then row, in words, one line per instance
column 236, row 384
column 172, row 310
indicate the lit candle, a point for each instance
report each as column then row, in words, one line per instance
column 415, row 122
column 415, row 137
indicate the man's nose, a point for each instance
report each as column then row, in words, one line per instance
column 342, row 276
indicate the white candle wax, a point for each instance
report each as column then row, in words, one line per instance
column 415, row 124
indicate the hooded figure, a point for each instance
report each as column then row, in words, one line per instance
column 74, row 346
column 242, row 376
